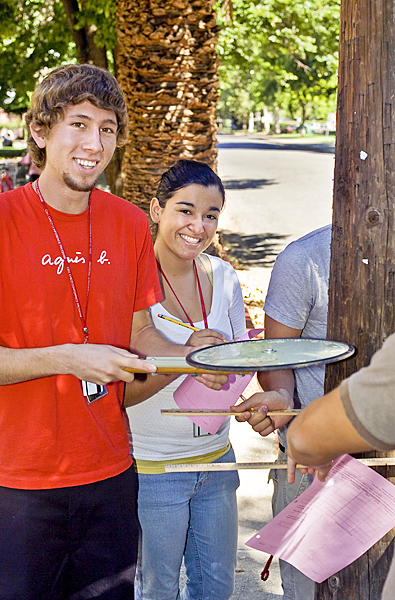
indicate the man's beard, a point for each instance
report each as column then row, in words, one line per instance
column 78, row 186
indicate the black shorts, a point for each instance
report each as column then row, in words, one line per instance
column 70, row 543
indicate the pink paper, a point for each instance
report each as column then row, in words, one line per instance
column 194, row 395
column 331, row 524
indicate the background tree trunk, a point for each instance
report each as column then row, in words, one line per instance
column 167, row 67
column 361, row 286
column 89, row 52
column 84, row 38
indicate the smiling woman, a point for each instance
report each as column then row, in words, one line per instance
column 181, row 515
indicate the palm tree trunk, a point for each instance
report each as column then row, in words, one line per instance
column 167, row 67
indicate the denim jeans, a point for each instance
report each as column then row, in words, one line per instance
column 295, row 584
column 190, row 515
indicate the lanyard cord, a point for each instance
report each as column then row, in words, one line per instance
column 71, row 278
column 179, row 301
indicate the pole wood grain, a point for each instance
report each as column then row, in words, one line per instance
column 361, row 285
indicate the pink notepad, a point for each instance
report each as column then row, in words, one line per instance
column 194, row 395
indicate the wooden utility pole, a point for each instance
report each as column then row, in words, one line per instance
column 361, row 285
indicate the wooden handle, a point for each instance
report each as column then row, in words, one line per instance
column 178, row 364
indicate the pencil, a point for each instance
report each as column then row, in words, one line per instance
column 179, row 323
column 182, row 324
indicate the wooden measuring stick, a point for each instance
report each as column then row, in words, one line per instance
column 370, row 462
column 218, row 411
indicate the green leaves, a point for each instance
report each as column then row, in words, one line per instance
column 37, row 36
column 99, row 14
column 279, row 52
column 273, row 52
column 38, row 40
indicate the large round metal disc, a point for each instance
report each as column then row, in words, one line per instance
column 269, row 354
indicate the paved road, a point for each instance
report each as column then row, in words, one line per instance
column 275, row 194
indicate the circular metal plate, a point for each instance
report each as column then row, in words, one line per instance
column 269, row 354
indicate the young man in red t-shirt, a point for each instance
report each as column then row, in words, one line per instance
column 77, row 275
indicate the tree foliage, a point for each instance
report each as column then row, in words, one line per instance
column 35, row 38
column 39, row 35
column 273, row 52
column 279, row 53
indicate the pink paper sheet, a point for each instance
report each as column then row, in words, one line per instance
column 331, row 524
column 194, row 395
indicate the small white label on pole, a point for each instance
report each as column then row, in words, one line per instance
column 363, row 155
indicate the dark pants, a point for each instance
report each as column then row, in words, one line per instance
column 70, row 543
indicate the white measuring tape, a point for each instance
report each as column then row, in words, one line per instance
column 370, row 462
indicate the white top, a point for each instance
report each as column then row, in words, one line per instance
column 158, row 437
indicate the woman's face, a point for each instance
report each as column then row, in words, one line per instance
column 188, row 222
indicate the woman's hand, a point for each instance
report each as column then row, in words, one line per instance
column 205, row 337
column 201, row 339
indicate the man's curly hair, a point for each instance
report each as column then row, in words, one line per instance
column 71, row 85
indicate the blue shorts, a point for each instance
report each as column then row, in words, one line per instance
column 70, row 543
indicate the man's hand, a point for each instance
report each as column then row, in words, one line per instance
column 101, row 364
column 262, row 403
column 321, row 470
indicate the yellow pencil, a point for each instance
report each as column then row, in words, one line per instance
column 182, row 324
column 179, row 323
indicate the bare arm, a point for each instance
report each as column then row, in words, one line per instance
column 98, row 363
column 278, row 388
column 147, row 340
column 321, row 433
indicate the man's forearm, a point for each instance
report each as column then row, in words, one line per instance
column 322, row 432
column 274, row 381
column 98, row 363
column 25, row 364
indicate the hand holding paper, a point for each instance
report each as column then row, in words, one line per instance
column 331, row 524
column 321, row 470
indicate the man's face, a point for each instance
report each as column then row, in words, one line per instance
column 79, row 147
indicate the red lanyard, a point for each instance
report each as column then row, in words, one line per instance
column 179, row 301
column 71, row 278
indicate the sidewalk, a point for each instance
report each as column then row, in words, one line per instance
column 254, row 503
column 277, row 191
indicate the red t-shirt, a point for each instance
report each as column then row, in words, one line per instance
column 49, row 436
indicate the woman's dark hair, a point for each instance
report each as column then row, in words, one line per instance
column 184, row 173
